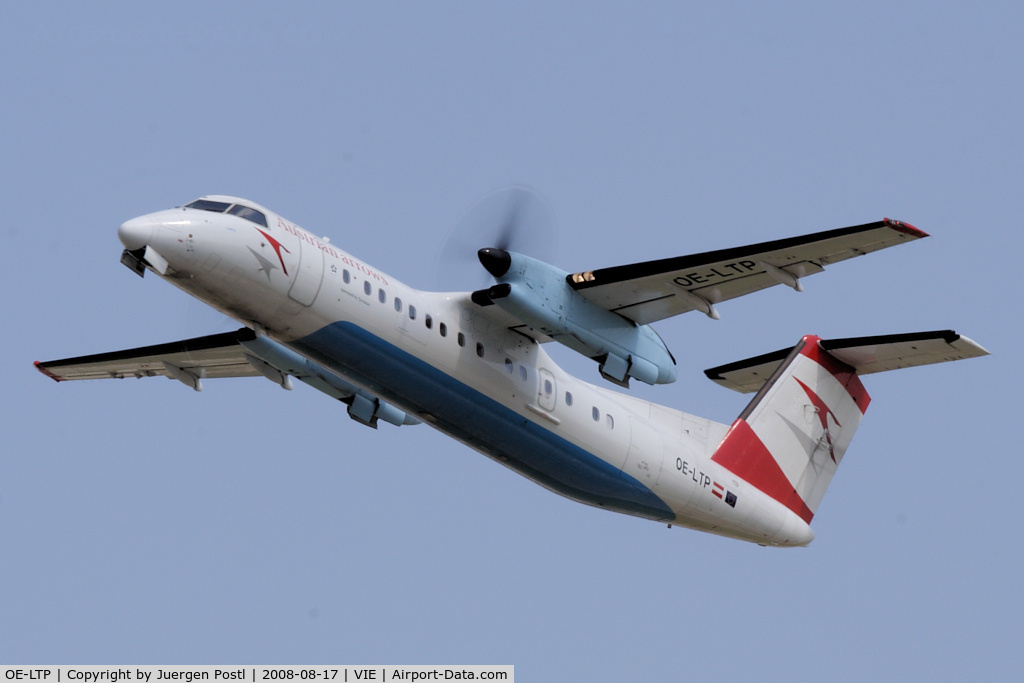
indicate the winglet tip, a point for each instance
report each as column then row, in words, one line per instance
column 905, row 228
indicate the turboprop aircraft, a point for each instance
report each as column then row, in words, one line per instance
column 474, row 365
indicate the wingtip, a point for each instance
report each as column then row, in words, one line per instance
column 969, row 347
column 43, row 369
column 905, row 228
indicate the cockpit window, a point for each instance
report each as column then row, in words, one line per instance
column 209, row 205
column 249, row 214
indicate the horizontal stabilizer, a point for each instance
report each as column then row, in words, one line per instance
column 866, row 355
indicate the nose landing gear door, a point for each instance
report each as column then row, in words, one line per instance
column 309, row 275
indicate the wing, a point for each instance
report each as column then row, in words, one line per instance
column 242, row 353
column 189, row 361
column 650, row 291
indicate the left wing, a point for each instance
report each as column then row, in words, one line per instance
column 650, row 291
column 189, row 361
column 242, row 353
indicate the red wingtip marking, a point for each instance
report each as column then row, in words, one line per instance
column 905, row 228
column 40, row 368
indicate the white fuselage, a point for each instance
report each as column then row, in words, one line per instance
column 444, row 360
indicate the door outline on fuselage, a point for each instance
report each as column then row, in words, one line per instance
column 309, row 276
column 547, row 390
column 411, row 327
column 646, row 455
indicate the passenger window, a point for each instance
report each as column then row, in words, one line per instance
column 398, row 304
column 443, row 329
column 381, row 296
column 346, row 276
column 367, row 288
column 479, row 349
column 428, row 321
column 568, row 398
column 522, row 372
column 412, row 312
column 595, row 413
column 610, row 421
column 508, row 365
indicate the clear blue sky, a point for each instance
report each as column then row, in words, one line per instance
column 141, row 522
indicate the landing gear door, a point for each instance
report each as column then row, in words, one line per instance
column 310, row 274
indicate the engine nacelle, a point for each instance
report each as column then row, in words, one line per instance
column 537, row 294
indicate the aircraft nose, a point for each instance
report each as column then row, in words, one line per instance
column 136, row 233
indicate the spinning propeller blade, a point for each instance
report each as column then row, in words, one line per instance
column 511, row 219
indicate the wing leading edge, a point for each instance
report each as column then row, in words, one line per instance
column 653, row 290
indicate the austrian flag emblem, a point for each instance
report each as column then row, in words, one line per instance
column 727, row 496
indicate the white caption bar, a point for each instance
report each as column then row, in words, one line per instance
column 255, row 674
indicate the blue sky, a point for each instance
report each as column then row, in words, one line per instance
column 141, row 522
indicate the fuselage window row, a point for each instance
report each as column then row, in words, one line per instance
column 442, row 328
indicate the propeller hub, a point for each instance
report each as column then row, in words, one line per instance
column 495, row 261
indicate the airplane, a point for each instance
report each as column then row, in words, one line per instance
column 474, row 364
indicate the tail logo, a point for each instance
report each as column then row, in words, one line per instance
column 822, row 411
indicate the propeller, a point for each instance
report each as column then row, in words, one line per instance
column 510, row 219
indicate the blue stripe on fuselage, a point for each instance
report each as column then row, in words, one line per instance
column 468, row 415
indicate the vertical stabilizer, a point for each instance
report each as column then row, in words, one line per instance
column 791, row 438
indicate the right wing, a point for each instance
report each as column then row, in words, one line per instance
column 650, row 291
column 189, row 361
